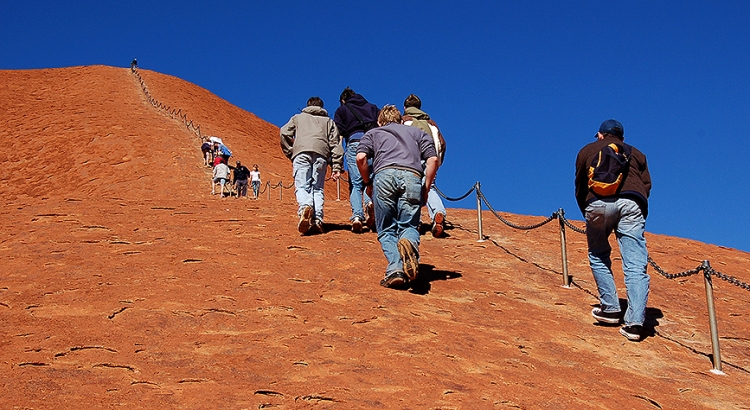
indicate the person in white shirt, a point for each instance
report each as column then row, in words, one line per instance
column 255, row 180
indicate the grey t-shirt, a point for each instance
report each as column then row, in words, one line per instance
column 397, row 146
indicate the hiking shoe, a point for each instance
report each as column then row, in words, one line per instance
column 612, row 318
column 437, row 225
column 317, row 227
column 632, row 333
column 370, row 215
column 357, row 225
column 305, row 219
column 409, row 257
column 394, row 280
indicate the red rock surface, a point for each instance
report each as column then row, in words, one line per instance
column 124, row 283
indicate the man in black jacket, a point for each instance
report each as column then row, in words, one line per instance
column 240, row 179
column 353, row 118
column 623, row 212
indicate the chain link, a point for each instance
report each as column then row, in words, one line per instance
column 571, row 226
column 730, row 279
column 511, row 224
column 684, row 274
column 172, row 112
column 453, row 199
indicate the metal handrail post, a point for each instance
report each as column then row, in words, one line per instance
column 268, row 189
column 479, row 211
column 712, row 318
column 563, row 248
column 338, row 189
column 281, row 191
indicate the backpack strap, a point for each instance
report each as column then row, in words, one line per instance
column 357, row 116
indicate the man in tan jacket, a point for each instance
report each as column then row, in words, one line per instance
column 310, row 139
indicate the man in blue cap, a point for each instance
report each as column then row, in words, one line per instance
column 622, row 207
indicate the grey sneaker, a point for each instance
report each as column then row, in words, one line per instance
column 394, row 280
column 632, row 333
column 305, row 219
column 409, row 257
column 612, row 318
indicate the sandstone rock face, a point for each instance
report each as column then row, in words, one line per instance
column 125, row 283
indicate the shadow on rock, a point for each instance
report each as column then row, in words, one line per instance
column 427, row 274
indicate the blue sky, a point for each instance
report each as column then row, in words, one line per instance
column 517, row 88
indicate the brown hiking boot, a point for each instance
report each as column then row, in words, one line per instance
column 370, row 215
column 305, row 219
column 409, row 257
column 438, row 225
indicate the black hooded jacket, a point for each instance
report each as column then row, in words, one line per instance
column 348, row 123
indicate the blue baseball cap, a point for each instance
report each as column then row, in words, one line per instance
column 612, row 127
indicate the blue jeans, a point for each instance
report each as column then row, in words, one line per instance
column 357, row 195
column 309, row 178
column 398, row 204
column 434, row 203
column 624, row 217
column 256, row 188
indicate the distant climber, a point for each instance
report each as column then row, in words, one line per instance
column 255, row 180
column 310, row 140
column 207, row 151
column 133, row 65
column 221, row 177
column 241, row 173
column 397, row 152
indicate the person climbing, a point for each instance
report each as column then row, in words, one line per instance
column 353, row 118
column 255, row 180
column 220, row 176
column 311, row 140
column 414, row 116
column 241, row 173
column 206, row 149
column 620, row 205
column 397, row 152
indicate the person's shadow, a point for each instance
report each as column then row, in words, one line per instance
column 427, row 274
column 649, row 325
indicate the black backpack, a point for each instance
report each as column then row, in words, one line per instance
column 366, row 125
column 609, row 169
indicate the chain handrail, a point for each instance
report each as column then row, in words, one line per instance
column 731, row 279
column 511, row 224
column 571, row 226
column 266, row 185
column 172, row 112
column 684, row 274
column 196, row 129
column 447, row 198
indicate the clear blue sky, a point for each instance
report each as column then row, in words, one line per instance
column 517, row 88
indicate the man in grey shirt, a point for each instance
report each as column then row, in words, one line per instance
column 397, row 152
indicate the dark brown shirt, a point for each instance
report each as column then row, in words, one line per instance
column 637, row 184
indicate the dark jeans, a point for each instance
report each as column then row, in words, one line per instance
column 241, row 187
